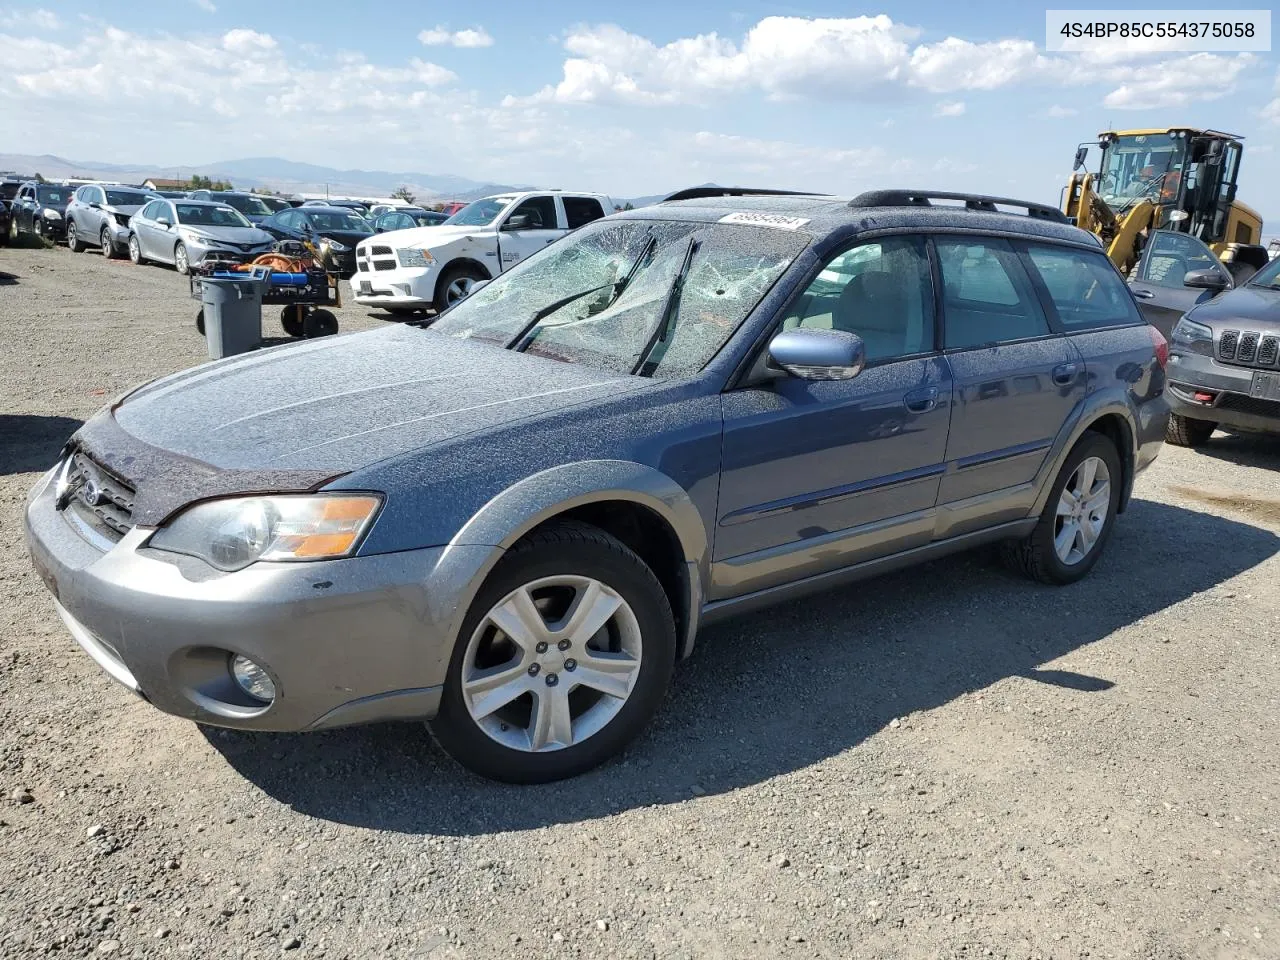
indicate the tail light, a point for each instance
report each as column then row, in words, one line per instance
column 1161, row 346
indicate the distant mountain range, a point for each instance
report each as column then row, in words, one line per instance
column 283, row 176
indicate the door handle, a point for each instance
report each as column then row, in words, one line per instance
column 1065, row 373
column 921, row 401
column 1144, row 294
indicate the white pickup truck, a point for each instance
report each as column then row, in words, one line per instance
column 408, row 270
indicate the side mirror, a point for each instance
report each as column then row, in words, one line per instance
column 819, row 354
column 164, row 221
column 1205, row 280
column 518, row 221
column 1082, row 153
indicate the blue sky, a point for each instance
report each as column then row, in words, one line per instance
column 625, row 98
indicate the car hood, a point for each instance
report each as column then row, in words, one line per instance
column 1250, row 308
column 431, row 236
column 346, row 237
column 231, row 234
column 338, row 404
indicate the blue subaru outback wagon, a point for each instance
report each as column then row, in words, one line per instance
column 512, row 519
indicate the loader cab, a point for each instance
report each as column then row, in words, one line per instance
column 1188, row 175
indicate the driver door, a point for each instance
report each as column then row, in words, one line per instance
column 1158, row 284
column 529, row 227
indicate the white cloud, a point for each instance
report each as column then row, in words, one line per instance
column 859, row 58
column 248, row 41
column 1056, row 112
column 208, row 6
column 40, row 18
column 442, row 36
column 1176, row 83
column 952, row 108
column 1271, row 112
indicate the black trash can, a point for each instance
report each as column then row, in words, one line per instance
column 232, row 308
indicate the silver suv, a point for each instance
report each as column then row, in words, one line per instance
column 99, row 214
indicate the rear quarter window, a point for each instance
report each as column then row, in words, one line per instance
column 1084, row 288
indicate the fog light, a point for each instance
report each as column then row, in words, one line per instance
column 252, row 679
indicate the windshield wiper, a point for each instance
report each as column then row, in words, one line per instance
column 659, row 339
column 524, row 337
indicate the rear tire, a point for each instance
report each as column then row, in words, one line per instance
column 1188, row 432
column 319, row 323
column 1040, row 555
column 73, row 239
column 135, row 252
column 635, row 639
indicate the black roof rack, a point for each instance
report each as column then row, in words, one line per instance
column 701, row 193
column 972, row 201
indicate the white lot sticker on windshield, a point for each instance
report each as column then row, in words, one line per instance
column 765, row 220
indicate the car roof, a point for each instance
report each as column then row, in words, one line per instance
column 822, row 215
column 317, row 208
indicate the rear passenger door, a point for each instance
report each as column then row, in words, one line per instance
column 1017, row 382
column 579, row 211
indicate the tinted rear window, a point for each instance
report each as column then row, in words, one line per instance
column 126, row 198
column 1086, row 291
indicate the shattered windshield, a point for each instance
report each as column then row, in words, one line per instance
column 622, row 295
column 1139, row 166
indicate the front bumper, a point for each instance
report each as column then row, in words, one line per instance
column 198, row 250
column 407, row 287
column 1232, row 405
column 345, row 641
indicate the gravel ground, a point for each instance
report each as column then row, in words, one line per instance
column 945, row 762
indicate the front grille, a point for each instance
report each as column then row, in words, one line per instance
column 1254, row 405
column 1267, row 351
column 381, row 251
column 1249, row 348
column 1227, row 344
column 102, row 501
column 384, row 265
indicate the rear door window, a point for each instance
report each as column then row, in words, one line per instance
column 1084, row 288
column 581, row 210
column 987, row 296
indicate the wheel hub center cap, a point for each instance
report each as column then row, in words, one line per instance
column 552, row 660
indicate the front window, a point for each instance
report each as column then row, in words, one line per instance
column 249, row 206
column 481, row 213
column 1140, row 166
column 649, row 297
column 53, row 196
column 207, row 215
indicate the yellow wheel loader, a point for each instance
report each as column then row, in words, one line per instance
column 1179, row 179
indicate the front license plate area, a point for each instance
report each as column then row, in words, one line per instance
column 1266, row 386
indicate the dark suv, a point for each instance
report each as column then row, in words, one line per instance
column 39, row 208
column 512, row 519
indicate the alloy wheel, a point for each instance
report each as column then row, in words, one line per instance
column 551, row 663
column 460, row 289
column 1083, row 509
column 180, row 262
column 135, row 250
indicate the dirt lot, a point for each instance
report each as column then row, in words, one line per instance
column 947, row 762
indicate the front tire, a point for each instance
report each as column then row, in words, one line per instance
column 455, row 284
column 108, row 245
column 135, row 251
column 1188, row 432
column 180, row 261
column 564, row 657
column 292, row 319
column 73, row 239
column 1077, row 519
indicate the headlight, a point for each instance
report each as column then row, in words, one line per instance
column 231, row 534
column 52, row 215
column 1192, row 335
column 335, row 246
column 415, row 257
